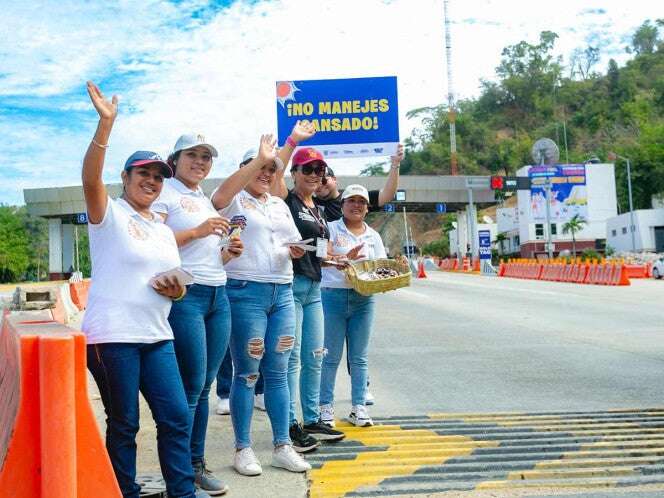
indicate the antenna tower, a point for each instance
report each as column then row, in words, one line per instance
column 451, row 104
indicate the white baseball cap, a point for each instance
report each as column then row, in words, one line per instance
column 191, row 140
column 353, row 190
column 249, row 155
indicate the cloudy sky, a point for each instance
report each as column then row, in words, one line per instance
column 211, row 66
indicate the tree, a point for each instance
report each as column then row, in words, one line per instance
column 575, row 224
column 500, row 238
column 644, row 40
column 374, row 169
column 14, row 245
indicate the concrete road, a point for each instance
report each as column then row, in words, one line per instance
column 455, row 342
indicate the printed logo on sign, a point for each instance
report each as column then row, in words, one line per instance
column 136, row 231
column 189, row 205
column 378, row 150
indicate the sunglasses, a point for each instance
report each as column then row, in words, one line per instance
column 318, row 169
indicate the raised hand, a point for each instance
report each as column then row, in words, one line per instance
column 106, row 110
column 354, row 253
column 266, row 149
column 303, row 130
column 398, row 157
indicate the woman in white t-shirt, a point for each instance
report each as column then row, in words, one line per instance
column 130, row 343
column 348, row 314
column 201, row 321
column 260, row 291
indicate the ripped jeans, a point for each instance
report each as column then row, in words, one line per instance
column 263, row 328
column 306, row 358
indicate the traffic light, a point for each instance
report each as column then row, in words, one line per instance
column 497, row 182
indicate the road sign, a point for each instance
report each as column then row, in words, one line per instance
column 485, row 244
column 81, row 218
column 478, row 182
column 389, row 208
column 441, row 207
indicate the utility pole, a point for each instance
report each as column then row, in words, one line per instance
column 451, row 105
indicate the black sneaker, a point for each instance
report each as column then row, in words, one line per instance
column 323, row 431
column 302, row 442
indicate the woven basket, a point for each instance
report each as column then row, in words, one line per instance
column 367, row 287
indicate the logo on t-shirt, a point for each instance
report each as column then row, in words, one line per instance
column 189, row 205
column 342, row 241
column 305, row 216
column 136, row 230
column 247, row 203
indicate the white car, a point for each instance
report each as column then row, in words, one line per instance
column 658, row 268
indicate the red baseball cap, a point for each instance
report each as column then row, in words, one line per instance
column 307, row 155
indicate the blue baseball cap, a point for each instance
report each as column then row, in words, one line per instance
column 145, row 157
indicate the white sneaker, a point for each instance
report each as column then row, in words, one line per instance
column 285, row 457
column 259, row 401
column 223, row 406
column 246, row 463
column 369, row 398
column 359, row 416
column 327, row 414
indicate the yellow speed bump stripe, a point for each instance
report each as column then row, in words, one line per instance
column 337, row 478
column 415, row 455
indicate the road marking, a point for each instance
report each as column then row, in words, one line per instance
column 413, row 455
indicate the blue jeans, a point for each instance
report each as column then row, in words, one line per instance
column 225, row 378
column 263, row 333
column 121, row 370
column 201, row 324
column 304, row 365
column 348, row 316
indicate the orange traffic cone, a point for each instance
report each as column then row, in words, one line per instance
column 420, row 270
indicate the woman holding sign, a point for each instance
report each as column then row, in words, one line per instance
column 263, row 314
column 130, row 343
column 308, row 170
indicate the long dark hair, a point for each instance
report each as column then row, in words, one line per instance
column 172, row 159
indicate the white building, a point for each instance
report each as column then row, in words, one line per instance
column 459, row 237
column 588, row 190
column 508, row 224
column 648, row 231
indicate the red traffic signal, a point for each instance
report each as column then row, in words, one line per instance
column 497, row 182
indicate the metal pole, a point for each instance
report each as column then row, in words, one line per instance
column 631, row 206
column 471, row 222
column 405, row 226
column 76, row 246
column 547, row 189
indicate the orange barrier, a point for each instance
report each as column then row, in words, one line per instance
column 561, row 271
column 476, row 264
column 637, row 271
column 50, row 445
column 79, row 293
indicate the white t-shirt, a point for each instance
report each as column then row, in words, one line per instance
column 343, row 240
column 269, row 225
column 127, row 251
column 186, row 209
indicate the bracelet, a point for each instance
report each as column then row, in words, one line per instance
column 184, row 293
column 291, row 142
column 101, row 146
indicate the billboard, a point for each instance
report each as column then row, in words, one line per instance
column 569, row 193
column 355, row 117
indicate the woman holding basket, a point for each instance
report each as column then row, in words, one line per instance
column 348, row 314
